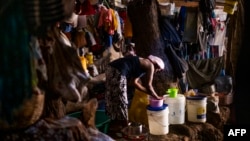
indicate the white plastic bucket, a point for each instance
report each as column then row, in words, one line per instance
column 196, row 108
column 176, row 107
column 158, row 120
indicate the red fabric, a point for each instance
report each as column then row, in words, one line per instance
column 123, row 15
column 86, row 8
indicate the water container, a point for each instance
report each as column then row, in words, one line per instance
column 196, row 108
column 176, row 108
column 90, row 58
column 158, row 120
column 155, row 102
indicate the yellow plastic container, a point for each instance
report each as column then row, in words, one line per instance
column 89, row 56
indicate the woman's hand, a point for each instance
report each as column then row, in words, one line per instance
column 157, row 97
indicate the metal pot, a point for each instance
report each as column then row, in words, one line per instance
column 207, row 89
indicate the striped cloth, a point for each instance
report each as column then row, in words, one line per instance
column 41, row 13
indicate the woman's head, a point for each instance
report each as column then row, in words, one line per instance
column 157, row 62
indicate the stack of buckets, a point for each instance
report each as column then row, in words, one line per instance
column 178, row 104
column 171, row 110
column 158, row 121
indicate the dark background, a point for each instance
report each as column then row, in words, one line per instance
column 242, row 78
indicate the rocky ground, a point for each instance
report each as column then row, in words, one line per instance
column 212, row 130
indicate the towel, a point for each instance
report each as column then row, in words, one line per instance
column 157, row 60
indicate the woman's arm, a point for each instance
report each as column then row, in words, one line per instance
column 148, row 87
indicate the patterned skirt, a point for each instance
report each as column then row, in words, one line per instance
column 116, row 94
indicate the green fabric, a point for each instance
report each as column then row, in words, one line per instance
column 15, row 67
column 203, row 72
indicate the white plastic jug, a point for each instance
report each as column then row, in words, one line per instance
column 176, row 107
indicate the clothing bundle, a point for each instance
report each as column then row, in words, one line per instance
column 42, row 13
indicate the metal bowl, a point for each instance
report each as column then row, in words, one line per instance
column 135, row 132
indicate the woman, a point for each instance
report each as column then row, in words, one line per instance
column 126, row 70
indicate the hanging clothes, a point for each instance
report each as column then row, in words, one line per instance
column 41, row 13
column 119, row 23
column 85, row 8
column 107, row 20
column 218, row 39
column 190, row 26
column 203, row 72
column 128, row 32
column 64, row 39
column 82, row 21
column 173, row 47
column 90, row 38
